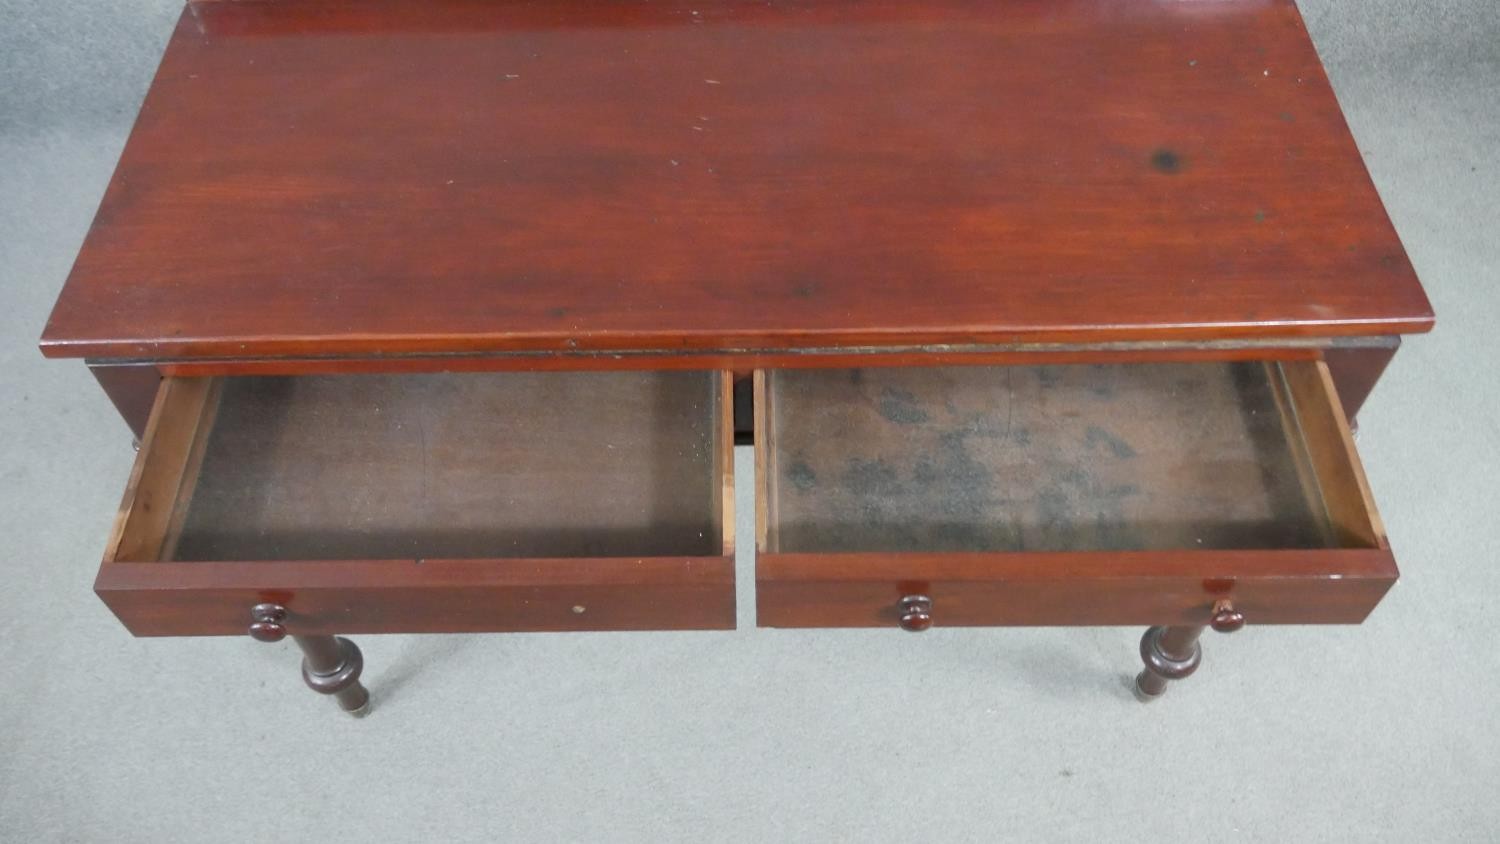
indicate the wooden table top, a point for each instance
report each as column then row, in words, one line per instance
column 377, row 177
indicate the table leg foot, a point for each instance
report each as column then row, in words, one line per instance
column 1170, row 653
column 331, row 665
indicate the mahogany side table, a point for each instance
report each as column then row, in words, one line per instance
column 444, row 316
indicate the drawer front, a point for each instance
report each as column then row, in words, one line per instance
column 964, row 590
column 430, row 503
column 436, row 596
column 1113, row 494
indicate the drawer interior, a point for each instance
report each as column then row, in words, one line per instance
column 438, row 466
column 1112, row 457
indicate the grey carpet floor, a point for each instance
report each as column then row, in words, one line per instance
column 1388, row 731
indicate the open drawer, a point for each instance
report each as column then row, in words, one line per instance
column 1078, row 494
column 430, row 502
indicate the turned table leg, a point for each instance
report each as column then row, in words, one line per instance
column 1173, row 653
column 331, row 665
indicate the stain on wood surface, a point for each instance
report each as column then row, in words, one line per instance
column 1053, row 458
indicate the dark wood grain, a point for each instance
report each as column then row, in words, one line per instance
column 1169, row 653
column 331, row 666
column 1356, row 369
column 744, row 362
column 131, row 389
column 381, row 177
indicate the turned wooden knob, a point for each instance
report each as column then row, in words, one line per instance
column 1226, row 618
column 266, row 621
column 916, row 613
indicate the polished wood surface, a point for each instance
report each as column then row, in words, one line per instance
column 1331, row 586
column 1356, row 370
column 435, row 596
column 748, row 361
column 1169, row 653
column 318, row 177
column 332, row 666
column 131, row 388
